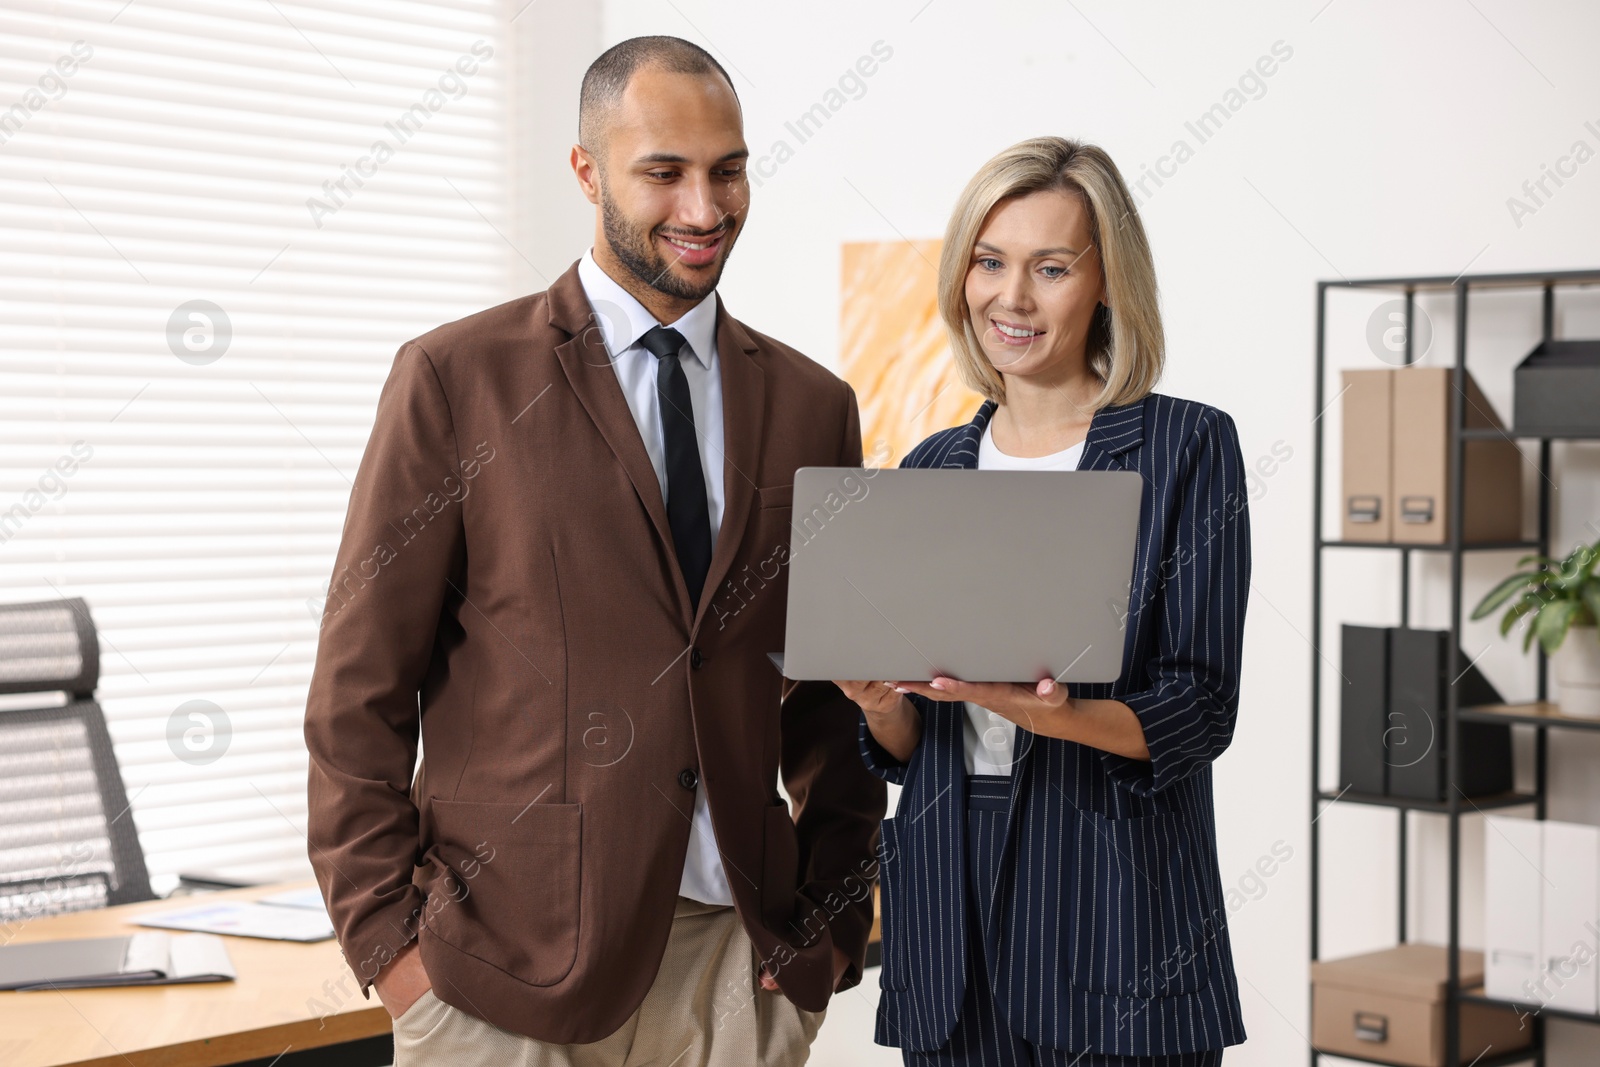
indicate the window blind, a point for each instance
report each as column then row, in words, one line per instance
column 218, row 221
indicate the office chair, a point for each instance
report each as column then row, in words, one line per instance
column 67, row 839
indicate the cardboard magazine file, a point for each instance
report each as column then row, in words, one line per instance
column 1365, row 509
column 1389, row 1006
column 1396, row 458
column 1492, row 478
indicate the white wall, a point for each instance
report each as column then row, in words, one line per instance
column 1387, row 143
column 551, row 223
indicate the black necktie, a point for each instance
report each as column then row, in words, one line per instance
column 688, row 512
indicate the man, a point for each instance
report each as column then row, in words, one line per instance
column 563, row 566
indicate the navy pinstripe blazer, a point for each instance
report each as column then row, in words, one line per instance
column 1111, row 929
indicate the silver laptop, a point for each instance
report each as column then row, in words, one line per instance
column 981, row 575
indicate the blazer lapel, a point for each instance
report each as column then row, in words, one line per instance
column 744, row 403
column 1112, row 432
column 963, row 452
column 588, row 368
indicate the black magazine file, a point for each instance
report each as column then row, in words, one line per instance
column 1418, row 681
column 1392, row 729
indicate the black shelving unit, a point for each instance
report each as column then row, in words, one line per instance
column 1540, row 715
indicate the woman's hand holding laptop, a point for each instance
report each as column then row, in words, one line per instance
column 890, row 716
column 897, row 726
column 1044, row 709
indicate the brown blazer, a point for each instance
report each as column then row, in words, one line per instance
column 506, row 585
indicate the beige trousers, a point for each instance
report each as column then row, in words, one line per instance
column 704, row 1009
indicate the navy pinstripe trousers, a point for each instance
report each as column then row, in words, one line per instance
column 982, row 1037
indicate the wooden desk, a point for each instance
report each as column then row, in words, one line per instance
column 288, row 997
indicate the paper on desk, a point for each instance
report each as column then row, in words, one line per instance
column 246, row 919
column 309, row 897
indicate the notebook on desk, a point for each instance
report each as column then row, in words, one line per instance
column 146, row 958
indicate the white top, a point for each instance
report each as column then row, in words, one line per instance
column 988, row 739
column 623, row 320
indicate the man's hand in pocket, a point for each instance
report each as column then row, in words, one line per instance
column 841, row 963
column 402, row 981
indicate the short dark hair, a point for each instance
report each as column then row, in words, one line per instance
column 607, row 78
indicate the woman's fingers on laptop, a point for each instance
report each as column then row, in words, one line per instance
column 871, row 696
column 1010, row 699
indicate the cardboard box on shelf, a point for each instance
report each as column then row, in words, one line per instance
column 1390, row 1006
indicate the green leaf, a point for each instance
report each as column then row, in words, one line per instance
column 1575, row 569
column 1553, row 622
column 1504, row 591
column 1591, row 600
column 1586, row 569
column 1529, row 602
column 1546, row 560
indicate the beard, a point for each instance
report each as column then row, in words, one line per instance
column 634, row 249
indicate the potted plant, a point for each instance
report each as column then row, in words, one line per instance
column 1559, row 599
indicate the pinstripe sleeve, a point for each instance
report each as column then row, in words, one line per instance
column 876, row 757
column 1199, row 594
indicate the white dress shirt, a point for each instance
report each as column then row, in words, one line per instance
column 623, row 320
column 988, row 740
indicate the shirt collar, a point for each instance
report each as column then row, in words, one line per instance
column 623, row 320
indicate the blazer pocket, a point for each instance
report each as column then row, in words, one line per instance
column 892, row 903
column 513, row 901
column 1140, row 928
column 775, row 496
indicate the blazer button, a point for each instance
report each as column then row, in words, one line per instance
column 695, row 658
column 687, row 778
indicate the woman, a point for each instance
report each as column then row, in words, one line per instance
column 1049, row 884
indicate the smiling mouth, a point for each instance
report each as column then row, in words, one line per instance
column 1007, row 329
column 695, row 249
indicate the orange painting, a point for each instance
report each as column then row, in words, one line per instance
column 893, row 349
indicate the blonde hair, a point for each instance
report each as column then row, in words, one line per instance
column 1126, row 346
